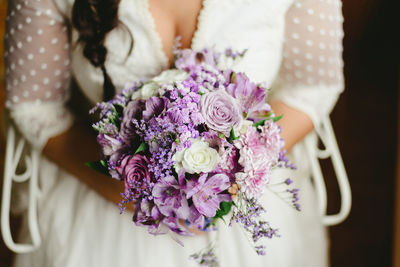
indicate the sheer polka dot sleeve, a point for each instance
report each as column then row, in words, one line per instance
column 311, row 74
column 37, row 69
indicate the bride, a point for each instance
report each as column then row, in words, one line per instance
column 293, row 46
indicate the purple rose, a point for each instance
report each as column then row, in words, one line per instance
column 134, row 172
column 221, row 111
column 206, row 193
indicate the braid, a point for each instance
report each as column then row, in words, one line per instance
column 93, row 19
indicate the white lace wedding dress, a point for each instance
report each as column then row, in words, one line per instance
column 294, row 47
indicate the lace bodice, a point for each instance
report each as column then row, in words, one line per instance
column 294, row 47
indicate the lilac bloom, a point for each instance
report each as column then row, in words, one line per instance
column 206, row 193
column 169, row 197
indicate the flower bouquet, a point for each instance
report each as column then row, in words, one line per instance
column 192, row 145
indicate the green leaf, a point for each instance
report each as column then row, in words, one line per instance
column 119, row 109
column 224, row 209
column 267, row 115
column 141, row 148
column 232, row 136
column 99, row 166
column 103, row 163
column 275, row 119
column 233, row 77
column 221, row 135
column 259, row 123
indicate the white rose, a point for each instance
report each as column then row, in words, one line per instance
column 148, row 90
column 151, row 88
column 199, row 157
column 168, row 76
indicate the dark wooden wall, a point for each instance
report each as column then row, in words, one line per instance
column 5, row 255
column 365, row 123
column 396, row 241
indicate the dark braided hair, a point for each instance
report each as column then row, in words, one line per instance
column 94, row 19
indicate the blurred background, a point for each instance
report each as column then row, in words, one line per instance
column 366, row 122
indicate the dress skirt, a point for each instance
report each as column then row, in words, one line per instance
column 80, row 228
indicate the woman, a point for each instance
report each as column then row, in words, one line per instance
column 293, row 46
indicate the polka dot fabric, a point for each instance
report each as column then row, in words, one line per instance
column 37, row 66
column 36, row 53
column 311, row 74
column 313, row 43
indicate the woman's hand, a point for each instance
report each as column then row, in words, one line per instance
column 72, row 149
column 295, row 124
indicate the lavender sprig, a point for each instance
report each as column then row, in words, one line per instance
column 248, row 212
column 206, row 258
column 283, row 161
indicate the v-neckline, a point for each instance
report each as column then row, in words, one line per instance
column 156, row 35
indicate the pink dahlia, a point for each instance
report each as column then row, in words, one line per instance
column 259, row 152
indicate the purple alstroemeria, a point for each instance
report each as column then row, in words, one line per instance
column 179, row 115
column 132, row 111
column 205, row 193
column 196, row 218
column 252, row 97
column 109, row 145
column 190, row 60
column 169, row 197
column 154, row 107
column 113, row 150
column 175, row 225
column 147, row 214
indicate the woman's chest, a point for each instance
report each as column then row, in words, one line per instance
column 174, row 18
column 253, row 25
